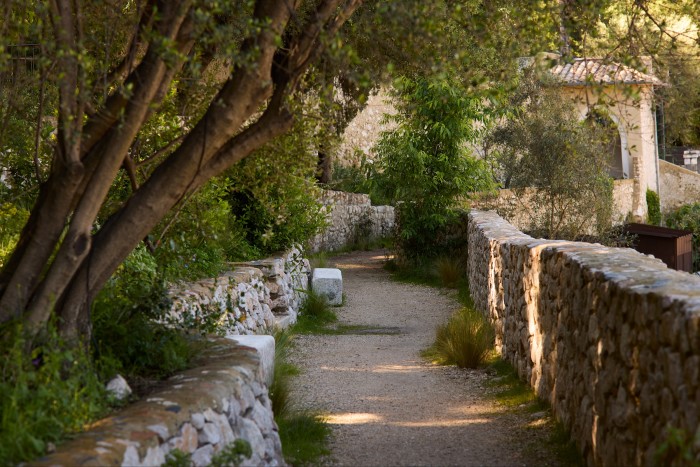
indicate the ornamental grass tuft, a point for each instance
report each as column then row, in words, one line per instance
column 465, row 340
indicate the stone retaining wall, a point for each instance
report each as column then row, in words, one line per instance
column 610, row 337
column 352, row 218
column 249, row 299
column 202, row 411
column 225, row 398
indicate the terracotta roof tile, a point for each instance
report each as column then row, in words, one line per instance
column 588, row 71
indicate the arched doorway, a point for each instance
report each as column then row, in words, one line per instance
column 610, row 133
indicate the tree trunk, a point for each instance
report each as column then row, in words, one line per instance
column 59, row 265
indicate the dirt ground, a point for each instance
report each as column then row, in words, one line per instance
column 388, row 406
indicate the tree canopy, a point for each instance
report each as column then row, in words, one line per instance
column 153, row 98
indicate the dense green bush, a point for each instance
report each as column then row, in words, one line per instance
column 45, row 395
column 687, row 217
column 128, row 333
column 423, row 164
column 653, row 208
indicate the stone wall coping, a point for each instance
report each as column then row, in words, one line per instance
column 625, row 267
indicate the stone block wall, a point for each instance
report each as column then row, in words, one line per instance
column 678, row 186
column 202, row 411
column 249, row 299
column 610, row 337
column 351, row 217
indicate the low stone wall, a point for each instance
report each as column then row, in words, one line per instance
column 225, row 398
column 202, row 411
column 250, row 299
column 352, row 218
column 610, row 337
column 678, row 186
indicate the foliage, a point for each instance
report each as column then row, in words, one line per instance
column 127, row 329
column 687, row 217
column 554, row 162
column 177, row 458
column 279, row 208
column 677, row 449
column 12, row 219
column 233, row 454
column 465, row 340
column 653, row 208
column 304, row 437
column 44, row 396
column 422, row 163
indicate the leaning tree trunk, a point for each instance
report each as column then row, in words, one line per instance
column 59, row 265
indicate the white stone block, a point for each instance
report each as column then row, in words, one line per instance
column 119, row 388
column 265, row 347
column 328, row 282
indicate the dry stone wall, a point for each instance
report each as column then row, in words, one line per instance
column 202, row 411
column 352, row 218
column 250, row 299
column 205, row 409
column 610, row 337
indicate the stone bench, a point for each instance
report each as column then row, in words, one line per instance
column 328, row 282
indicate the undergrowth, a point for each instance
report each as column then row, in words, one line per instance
column 44, row 396
column 516, row 396
column 303, row 433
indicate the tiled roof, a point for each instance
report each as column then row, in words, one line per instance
column 588, row 71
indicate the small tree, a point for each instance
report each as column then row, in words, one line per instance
column 423, row 162
column 557, row 164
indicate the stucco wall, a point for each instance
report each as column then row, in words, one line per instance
column 679, row 186
column 610, row 337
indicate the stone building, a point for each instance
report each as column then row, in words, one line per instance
column 624, row 96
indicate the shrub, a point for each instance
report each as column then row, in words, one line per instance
column 423, row 164
column 45, row 395
column 126, row 323
column 653, row 208
column 464, row 341
column 687, row 217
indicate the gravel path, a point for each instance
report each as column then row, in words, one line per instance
column 385, row 404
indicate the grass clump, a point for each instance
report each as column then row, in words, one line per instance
column 465, row 340
column 304, row 437
column 449, row 271
column 303, row 434
column 314, row 315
